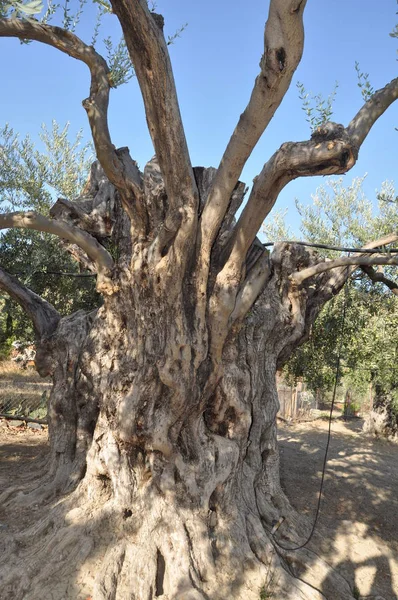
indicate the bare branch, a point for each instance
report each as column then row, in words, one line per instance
column 330, row 283
column 124, row 179
column 323, row 288
column 292, row 160
column 378, row 276
column 60, row 274
column 149, row 54
column 344, row 261
column 332, row 150
column 22, row 418
column 74, row 235
column 43, row 315
column 283, row 48
column 366, row 117
column 252, row 287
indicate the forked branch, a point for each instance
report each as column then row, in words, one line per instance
column 330, row 282
column 347, row 261
column 143, row 32
column 379, row 277
column 332, row 150
column 344, row 261
column 96, row 105
column 43, row 315
column 283, row 48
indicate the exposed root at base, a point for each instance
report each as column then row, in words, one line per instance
column 175, row 553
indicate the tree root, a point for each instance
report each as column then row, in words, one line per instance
column 97, row 550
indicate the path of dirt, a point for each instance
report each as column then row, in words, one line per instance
column 20, row 451
column 359, row 514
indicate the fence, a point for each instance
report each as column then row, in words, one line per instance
column 23, row 393
column 295, row 401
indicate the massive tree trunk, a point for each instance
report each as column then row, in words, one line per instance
column 166, row 456
column 163, row 411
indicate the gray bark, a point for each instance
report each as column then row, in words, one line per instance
column 382, row 421
column 162, row 414
column 166, row 458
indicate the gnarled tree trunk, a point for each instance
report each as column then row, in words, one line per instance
column 383, row 418
column 162, row 415
column 167, row 458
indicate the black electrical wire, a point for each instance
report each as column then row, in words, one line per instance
column 337, row 248
column 381, row 250
column 336, row 381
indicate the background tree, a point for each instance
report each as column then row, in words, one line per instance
column 343, row 216
column 31, row 180
column 162, row 414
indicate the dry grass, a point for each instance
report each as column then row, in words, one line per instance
column 10, row 370
column 22, row 391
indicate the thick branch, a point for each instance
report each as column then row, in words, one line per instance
column 330, row 283
column 74, row 235
column 345, row 261
column 252, row 287
column 292, row 160
column 148, row 51
column 366, row 117
column 44, row 316
column 379, row 277
column 332, row 150
column 283, row 48
column 96, row 105
column 326, row 285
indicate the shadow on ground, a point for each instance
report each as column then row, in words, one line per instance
column 357, row 530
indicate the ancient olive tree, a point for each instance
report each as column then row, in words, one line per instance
column 162, row 414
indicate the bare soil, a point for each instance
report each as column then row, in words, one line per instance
column 21, row 455
column 357, row 531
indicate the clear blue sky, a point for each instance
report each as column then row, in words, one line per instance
column 215, row 63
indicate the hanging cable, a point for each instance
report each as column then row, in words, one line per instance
column 382, row 249
column 336, row 381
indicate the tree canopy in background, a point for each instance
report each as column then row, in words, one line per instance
column 31, row 179
column 343, row 216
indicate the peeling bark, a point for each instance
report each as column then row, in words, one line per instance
column 382, row 421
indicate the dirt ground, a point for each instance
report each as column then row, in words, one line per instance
column 358, row 525
column 20, row 449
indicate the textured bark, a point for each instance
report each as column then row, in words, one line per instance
column 382, row 421
column 167, row 459
column 44, row 317
column 163, row 475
